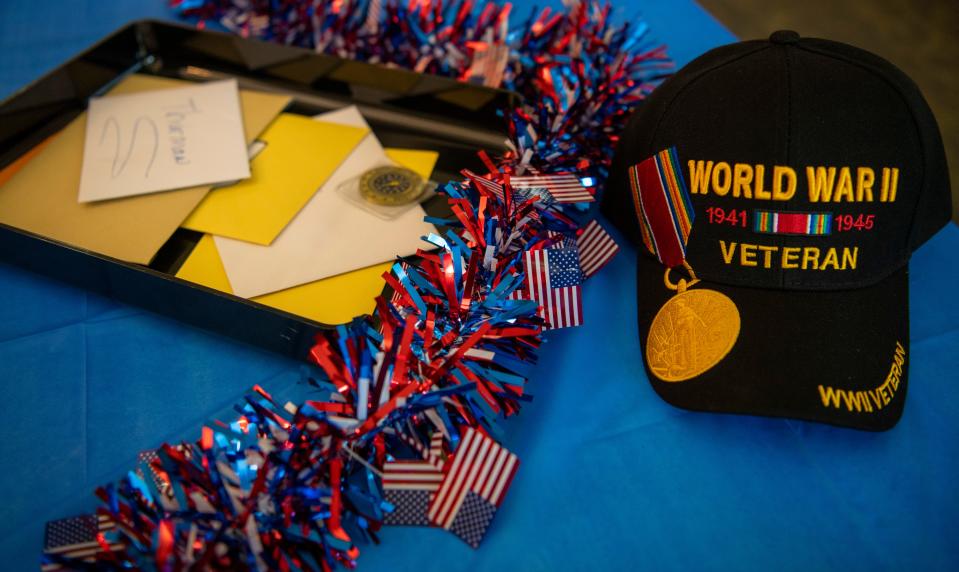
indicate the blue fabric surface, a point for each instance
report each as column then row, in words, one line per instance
column 611, row 476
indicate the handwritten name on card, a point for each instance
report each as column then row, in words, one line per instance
column 163, row 140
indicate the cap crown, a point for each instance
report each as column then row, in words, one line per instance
column 811, row 164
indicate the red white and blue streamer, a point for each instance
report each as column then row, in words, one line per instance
column 296, row 482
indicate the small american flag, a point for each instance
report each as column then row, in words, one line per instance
column 564, row 188
column 596, row 248
column 160, row 480
column 480, row 467
column 560, row 240
column 486, row 184
column 410, row 484
column 76, row 538
column 553, row 280
column 489, row 63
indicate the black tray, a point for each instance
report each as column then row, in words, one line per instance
column 405, row 109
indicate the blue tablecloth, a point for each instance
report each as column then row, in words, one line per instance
column 611, row 476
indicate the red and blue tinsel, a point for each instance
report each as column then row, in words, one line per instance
column 297, row 486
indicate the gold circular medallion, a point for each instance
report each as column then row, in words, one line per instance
column 390, row 186
column 691, row 333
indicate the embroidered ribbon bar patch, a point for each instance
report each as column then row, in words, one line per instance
column 662, row 203
column 793, row 223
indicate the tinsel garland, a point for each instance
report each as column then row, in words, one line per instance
column 298, row 486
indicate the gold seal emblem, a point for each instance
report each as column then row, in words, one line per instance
column 390, row 186
column 692, row 332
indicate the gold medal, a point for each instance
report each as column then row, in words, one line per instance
column 692, row 332
column 390, row 186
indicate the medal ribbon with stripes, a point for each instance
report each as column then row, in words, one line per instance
column 662, row 203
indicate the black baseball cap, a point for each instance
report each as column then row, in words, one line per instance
column 814, row 170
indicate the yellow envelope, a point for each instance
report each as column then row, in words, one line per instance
column 41, row 197
column 300, row 155
column 417, row 160
column 334, row 300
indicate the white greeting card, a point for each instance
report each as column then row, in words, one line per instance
column 162, row 140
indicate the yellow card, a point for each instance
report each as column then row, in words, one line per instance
column 300, row 155
column 334, row 300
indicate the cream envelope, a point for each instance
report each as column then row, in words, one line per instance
column 329, row 236
column 42, row 196
column 334, row 300
column 300, row 155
